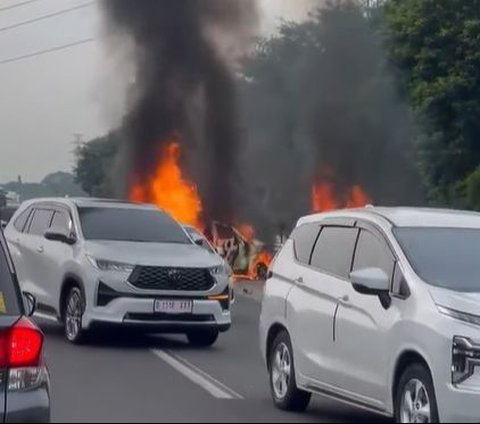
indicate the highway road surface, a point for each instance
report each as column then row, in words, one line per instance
column 128, row 378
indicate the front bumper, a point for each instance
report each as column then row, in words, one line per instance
column 459, row 405
column 139, row 312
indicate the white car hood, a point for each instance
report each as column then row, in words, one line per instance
column 458, row 301
column 152, row 254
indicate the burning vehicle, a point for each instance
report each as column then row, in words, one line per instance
column 246, row 255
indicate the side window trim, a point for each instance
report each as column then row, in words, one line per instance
column 377, row 232
column 338, row 224
column 310, row 257
column 28, row 211
column 318, row 228
column 28, row 224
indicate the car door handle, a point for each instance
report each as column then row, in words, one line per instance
column 41, row 249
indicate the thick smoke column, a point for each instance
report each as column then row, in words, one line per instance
column 184, row 89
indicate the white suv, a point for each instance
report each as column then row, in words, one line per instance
column 378, row 308
column 93, row 263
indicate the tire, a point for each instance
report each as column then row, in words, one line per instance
column 73, row 310
column 262, row 271
column 286, row 396
column 203, row 338
column 416, row 379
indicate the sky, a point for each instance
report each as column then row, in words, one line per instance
column 45, row 100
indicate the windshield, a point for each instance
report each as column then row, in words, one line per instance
column 444, row 257
column 129, row 224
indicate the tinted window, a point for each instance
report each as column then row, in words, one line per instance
column 444, row 257
column 22, row 219
column 129, row 224
column 61, row 220
column 333, row 252
column 40, row 221
column 373, row 252
column 9, row 304
column 400, row 286
column 304, row 238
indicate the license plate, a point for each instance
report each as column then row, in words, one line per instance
column 162, row 306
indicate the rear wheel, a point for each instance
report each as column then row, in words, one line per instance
column 203, row 338
column 73, row 309
column 286, row 395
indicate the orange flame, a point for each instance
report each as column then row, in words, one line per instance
column 169, row 190
column 247, row 231
column 324, row 199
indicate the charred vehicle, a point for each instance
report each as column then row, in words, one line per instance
column 247, row 256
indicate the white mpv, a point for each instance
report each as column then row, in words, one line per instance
column 93, row 263
column 378, row 308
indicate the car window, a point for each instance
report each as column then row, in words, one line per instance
column 9, row 302
column 61, row 220
column 333, row 251
column 40, row 221
column 22, row 219
column 304, row 238
column 400, row 285
column 372, row 252
column 130, row 224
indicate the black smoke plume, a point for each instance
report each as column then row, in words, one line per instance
column 184, row 89
column 322, row 106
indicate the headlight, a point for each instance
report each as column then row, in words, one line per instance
column 465, row 358
column 218, row 270
column 461, row 316
column 105, row 265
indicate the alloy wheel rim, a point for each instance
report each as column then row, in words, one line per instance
column 416, row 407
column 73, row 318
column 281, row 371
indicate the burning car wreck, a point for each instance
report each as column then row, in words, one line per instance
column 248, row 257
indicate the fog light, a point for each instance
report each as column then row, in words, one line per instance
column 465, row 358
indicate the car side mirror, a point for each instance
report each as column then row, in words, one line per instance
column 3, row 224
column 370, row 281
column 198, row 242
column 30, row 303
column 58, row 234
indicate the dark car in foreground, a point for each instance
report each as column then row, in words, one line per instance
column 24, row 379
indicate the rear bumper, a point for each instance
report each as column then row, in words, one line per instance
column 32, row 406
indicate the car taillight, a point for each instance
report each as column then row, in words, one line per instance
column 21, row 355
column 21, row 345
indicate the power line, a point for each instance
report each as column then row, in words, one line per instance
column 44, row 17
column 46, row 51
column 14, row 6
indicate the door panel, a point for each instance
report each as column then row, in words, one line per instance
column 361, row 344
column 362, row 326
column 312, row 306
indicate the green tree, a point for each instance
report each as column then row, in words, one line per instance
column 95, row 161
column 436, row 47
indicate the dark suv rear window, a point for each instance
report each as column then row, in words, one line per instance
column 9, row 302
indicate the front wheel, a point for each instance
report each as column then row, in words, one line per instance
column 262, row 271
column 286, row 395
column 203, row 338
column 74, row 308
column 415, row 397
